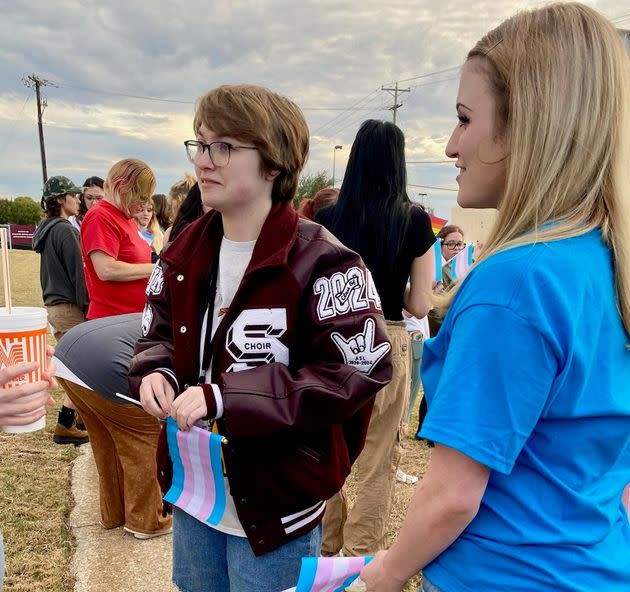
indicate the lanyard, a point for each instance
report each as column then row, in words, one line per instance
column 207, row 303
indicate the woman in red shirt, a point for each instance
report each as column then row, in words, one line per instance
column 117, row 260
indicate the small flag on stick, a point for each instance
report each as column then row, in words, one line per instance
column 198, row 486
column 461, row 263
column 329, row 574
column 437, row 262
column 437, row 223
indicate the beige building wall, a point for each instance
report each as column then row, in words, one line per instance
column 476, row 224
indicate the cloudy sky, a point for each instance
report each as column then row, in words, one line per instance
column 127, row 73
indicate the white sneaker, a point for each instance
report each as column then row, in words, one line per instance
column 143, row 536
column 403, row 477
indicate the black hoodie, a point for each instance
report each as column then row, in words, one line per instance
column 61, row 268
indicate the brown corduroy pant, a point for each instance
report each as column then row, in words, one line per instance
column 124, row 441
column 361, row 530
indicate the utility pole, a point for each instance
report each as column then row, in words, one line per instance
column 394, row 92
column 34, row 81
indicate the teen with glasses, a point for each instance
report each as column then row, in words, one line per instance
column 452, row 241
column 268, row 328
column 92, row 193
column 528, row 380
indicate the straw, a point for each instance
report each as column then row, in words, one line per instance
column 6, row 275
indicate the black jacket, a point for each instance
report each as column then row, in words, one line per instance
column 61, row 268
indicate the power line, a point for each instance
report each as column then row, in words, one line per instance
column 345, row 112
column 180, row 101
column 363, row 117
column 427, row 75
column 623, row 17
column 431, row 187
column 394, row 92
column 128, row 96
column 431, row 74
column 33, row 81
column 415, row 86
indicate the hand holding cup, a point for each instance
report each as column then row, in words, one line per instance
column 18, row 406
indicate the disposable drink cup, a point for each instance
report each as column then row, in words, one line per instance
column 23, row 339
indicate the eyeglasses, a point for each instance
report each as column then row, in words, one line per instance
column 455, row 245
column 219, row 151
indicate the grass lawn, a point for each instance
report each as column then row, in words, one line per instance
column 34, row 480
column 35, row 496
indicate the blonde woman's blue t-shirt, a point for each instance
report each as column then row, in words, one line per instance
column 530, row 376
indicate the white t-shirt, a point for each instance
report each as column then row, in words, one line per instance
column 234, row 257
column 414, row 324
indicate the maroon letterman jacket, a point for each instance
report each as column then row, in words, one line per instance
column 298, row 357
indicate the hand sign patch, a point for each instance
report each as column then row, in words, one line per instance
column 359, row 351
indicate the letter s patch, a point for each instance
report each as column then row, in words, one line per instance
column 252, row 340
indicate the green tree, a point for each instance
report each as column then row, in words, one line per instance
column 5, row 211
column 23, row 210
column 310, row 184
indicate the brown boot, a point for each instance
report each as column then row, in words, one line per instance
column 71, row 435
column 79, row 421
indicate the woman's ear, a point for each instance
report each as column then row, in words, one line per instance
column 271, row 175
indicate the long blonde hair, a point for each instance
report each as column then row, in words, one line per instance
column 178, row 192
column 561, row 80
column 153, row 226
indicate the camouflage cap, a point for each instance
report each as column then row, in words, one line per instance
column 56, row 186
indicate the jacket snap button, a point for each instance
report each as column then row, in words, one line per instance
column 180, row 278
column 186, row 386
column 243, row 501
column 261, row 542
column 182, row 329
column 252, row 528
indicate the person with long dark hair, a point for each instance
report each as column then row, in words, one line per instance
column 374, row 217
column 92, row 193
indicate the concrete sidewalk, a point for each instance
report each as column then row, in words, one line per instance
column 111, row 560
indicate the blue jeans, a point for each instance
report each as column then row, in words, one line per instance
column 427, row 586
column 207, row 560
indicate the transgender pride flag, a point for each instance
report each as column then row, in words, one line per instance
column 462, row 262
column 198, row 486
column 329, row 574
column 437, row 262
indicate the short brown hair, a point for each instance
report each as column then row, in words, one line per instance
column 446, row 230
column 272, row 123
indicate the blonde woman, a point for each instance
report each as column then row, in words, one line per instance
column 176, row 196
column 148, row 226
column 531, row 418
column 117, row 259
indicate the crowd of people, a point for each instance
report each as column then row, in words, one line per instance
column 298, row 335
